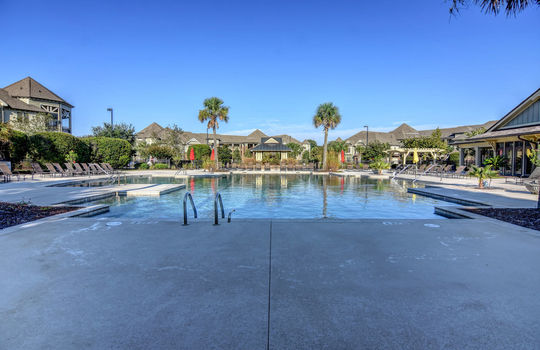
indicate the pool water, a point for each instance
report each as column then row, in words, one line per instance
column 281, row 197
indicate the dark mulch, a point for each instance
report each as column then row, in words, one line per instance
column 526, row 217
column 18, row 213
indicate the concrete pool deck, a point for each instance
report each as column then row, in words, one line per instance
column 255, row 284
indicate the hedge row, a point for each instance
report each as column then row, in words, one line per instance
column 47, row 147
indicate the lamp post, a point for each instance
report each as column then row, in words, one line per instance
column 111, row 110
column 367, row 135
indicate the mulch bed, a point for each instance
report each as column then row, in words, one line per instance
column 526, row 217
column 18, row 213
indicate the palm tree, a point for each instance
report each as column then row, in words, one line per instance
column 511, row 7
column 328, row 116
column 483, row 173
column 214, row 111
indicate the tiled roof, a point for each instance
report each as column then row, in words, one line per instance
column 150, row 131
column 14, row 103
column 28, row 87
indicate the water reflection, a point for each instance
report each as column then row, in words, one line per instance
column 287, row 196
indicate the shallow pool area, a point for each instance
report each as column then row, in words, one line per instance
column 281, row 197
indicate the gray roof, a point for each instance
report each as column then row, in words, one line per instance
column 151, row 130
column 506, row 132
column 14, row 103
column 405, row 131
column 28, row 87
column 265, row 146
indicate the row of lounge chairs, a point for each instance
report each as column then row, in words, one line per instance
column 73, row 169
column 272, row 167
column 55, row 169
column 435, row 170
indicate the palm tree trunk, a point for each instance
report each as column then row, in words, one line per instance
column 325, row 148
column 214, row 147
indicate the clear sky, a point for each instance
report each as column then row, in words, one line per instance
column 381, row 62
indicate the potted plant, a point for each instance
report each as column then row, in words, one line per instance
column 483, row 173
column 379, row 165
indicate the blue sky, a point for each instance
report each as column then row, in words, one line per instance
column 381, row 62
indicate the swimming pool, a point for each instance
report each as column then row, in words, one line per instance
column 282, row 197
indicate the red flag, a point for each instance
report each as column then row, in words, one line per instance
column 343, row 156
column 212, row 157
column 191, row 155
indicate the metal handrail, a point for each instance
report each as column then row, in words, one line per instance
column 229, row 216
column 425, row 172
column 186, row 196
column 216, row 220
column 402, row 170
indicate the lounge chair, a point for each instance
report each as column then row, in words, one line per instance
column 458, row 172
column 8, row 173
column 61, row 170
column 87, row 169
column 109, row 168
column 98, row 169
column 81, row 170
column 52, row 169
column 532, row 183
column 72, row 170
column 37, row 169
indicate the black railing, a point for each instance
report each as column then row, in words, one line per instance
column 186, row 196
column 218, row 197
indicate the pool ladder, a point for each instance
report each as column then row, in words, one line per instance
column 217, row 200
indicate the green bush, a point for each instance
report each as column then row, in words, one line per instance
column 143, row 166
column 160, row 152
column 116, row 152
column 453, row 159
column 200, row 151
column 55, row 146
column 13, row 144
column 160, row 166
column 224, row 154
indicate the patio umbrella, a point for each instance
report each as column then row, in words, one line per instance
column 192, row 155
column 212, row 156
column 342, row 156
column 415, row 157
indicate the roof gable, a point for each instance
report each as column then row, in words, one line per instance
column 258, row 134
column 30, row 88
column 404, row 131
column 516, row 112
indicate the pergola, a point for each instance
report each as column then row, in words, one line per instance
column 404, row 152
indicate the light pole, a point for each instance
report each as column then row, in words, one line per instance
column 110, row 110
column 367, row 135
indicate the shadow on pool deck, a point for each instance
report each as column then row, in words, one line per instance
column 393, row 284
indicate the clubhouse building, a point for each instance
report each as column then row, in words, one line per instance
column 510, row 137
column 26, row 98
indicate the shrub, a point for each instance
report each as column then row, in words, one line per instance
column 237, row 156
column 159, row 166
column 116, row 152
column 453, row 159
column 13, row 144
column 143, row 166
column 379, row 165
column 224, row 154
column 208, row 164
column 160, row 152
column 332, row 161
column 55, row 146
column 200, row 151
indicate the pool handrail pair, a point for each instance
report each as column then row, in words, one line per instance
column 217, row 199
